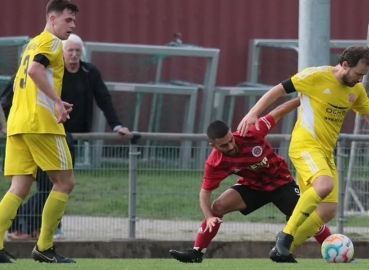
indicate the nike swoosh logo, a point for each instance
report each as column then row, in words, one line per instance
column 47, row 258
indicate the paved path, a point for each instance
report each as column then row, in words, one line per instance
column 108, row 228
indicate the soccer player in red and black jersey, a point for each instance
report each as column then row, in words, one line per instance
column 264, row 178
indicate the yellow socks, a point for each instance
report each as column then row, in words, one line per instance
column 305, row 206
column 8, row 209
column 309, row 228
column 51, row 216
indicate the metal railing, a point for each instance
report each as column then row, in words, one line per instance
column 159, row 200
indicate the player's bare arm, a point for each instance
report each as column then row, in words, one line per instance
column 252, row 117
column 284, row 109
column 205, row 205
column 38, row 74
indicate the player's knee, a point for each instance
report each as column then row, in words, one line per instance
column 19, row 191
column 218, row 207
column 21, row 185
column 63, row 181
column 326, row 211
column 65, row 186
column 323, row 185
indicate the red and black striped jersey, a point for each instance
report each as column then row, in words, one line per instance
column 257, row 164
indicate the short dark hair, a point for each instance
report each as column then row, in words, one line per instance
column 217, row 129
column 354, row 54
column 60, row 5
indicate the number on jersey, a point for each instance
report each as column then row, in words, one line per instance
column 23, row 80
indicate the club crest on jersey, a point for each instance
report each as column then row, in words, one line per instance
column 257, row 151
column 351, row 98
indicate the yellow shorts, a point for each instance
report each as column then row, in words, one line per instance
column 311, row 164
column 25, row 152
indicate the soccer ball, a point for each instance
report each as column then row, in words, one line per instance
column 337, row 248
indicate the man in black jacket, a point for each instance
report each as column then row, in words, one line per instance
column 82, row 84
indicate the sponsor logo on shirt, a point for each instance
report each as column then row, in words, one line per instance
column 262, row 164
column 335, row 113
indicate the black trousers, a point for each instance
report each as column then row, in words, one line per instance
column 29, row 215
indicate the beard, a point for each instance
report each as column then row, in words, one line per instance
column 348, row 82
column 232, row 152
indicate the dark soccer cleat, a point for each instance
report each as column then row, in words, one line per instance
column 283, row 244
column 5, row 257
column 49, row 256
column 189, row 256
column 278, row 258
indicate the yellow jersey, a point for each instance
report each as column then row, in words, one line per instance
column 32, row 111
column 324, row 105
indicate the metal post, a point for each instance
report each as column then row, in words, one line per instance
column 155, row 111
column 207, row 102
column 314, row 33
column 253, row 62
column 313, row 46
column 341, row 184
column 133, row 153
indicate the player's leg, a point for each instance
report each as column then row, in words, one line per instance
column 28, row 219
column 44, row 186
column 322, row 233
column 238, row 198
column 52, row 155
column 325, row 211
column 229, row 201
column 58, row 234
column 20, row 166
column 317, row 182
column 285, row 199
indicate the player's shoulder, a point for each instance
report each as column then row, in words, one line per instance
column 215, row 158
column 251, row 134
column 45, row 38
column 319, row 71
column 358, row 88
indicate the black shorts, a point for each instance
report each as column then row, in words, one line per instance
column 285, row 198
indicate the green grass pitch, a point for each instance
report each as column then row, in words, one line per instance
column 217, row 264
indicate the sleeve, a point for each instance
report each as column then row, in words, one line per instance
column 361, row 104
column 303, row 80
column 212, row 177
column 266, row 123
column 49, row 48
column 103, row 98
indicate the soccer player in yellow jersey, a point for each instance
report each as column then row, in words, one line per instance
column 326, row 93
column 36, row 134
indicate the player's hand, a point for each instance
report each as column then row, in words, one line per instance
column 210, row 223
column 123, row 131
column 62, row 112
column 68, row 107
column 249, row 120
column 3, row 131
